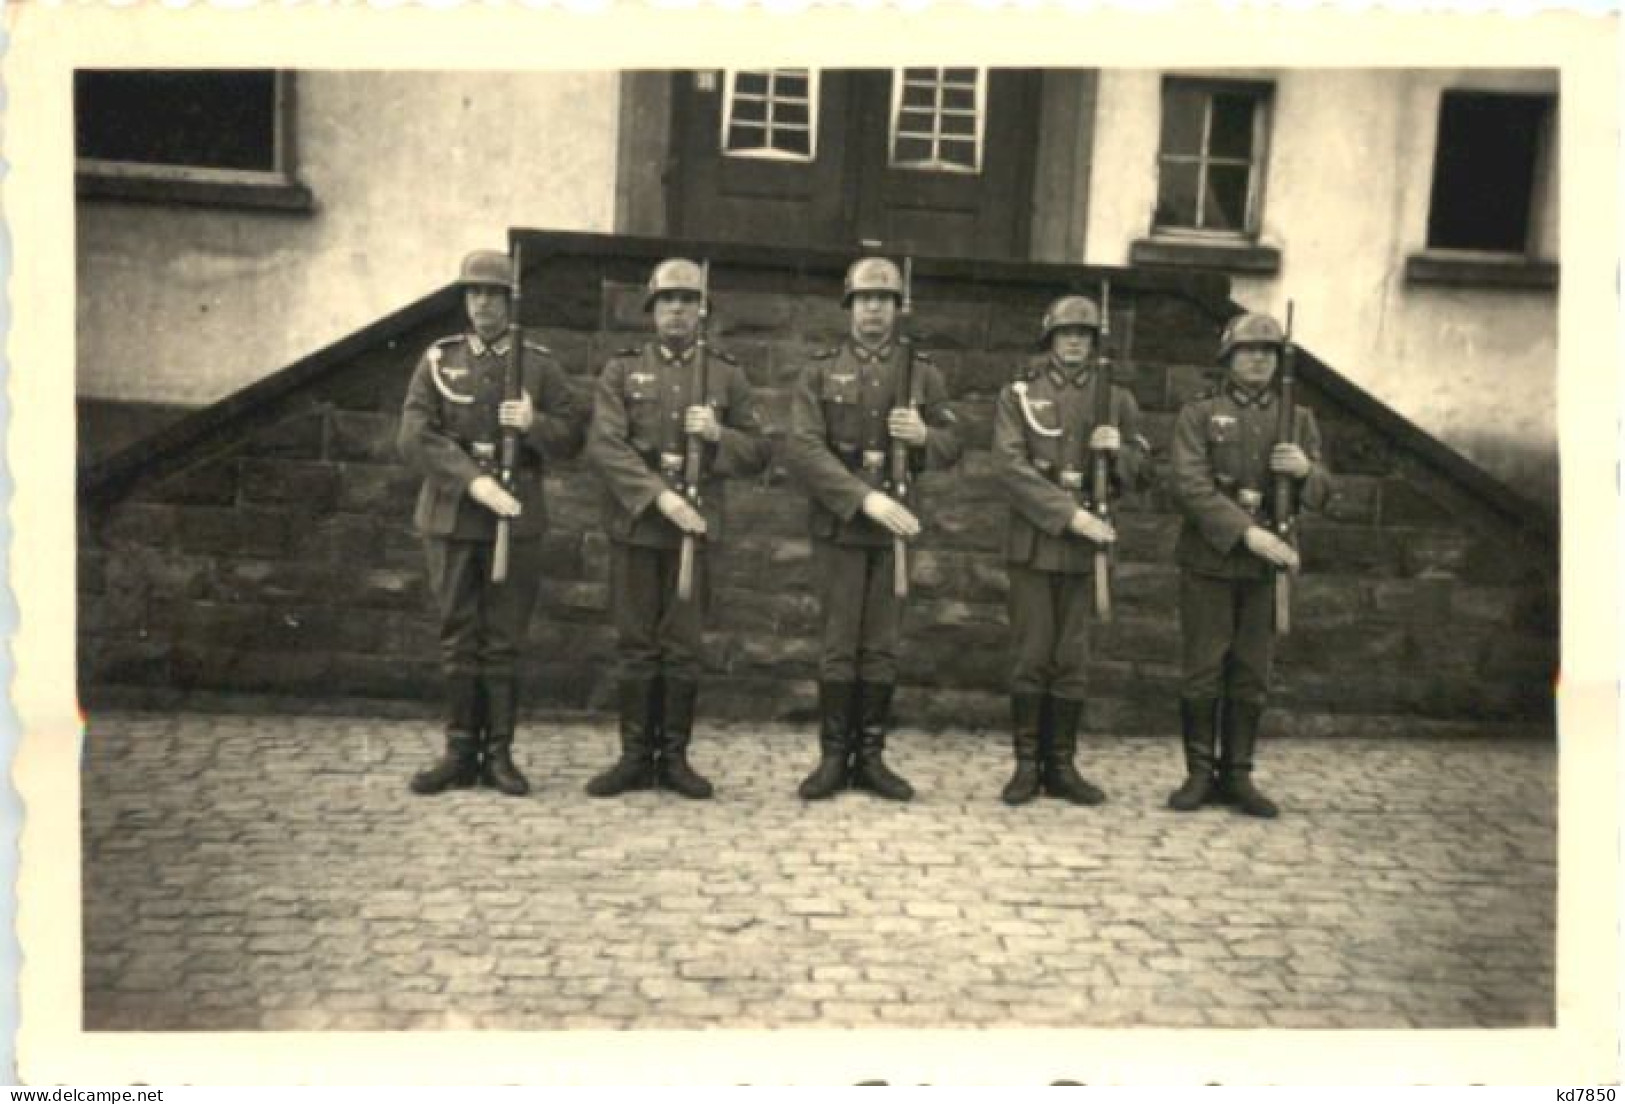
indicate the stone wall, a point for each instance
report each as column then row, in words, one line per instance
column 262, row 546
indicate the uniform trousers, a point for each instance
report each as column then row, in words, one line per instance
column 656, row 632
column 1049, row 622
column 860, row 615
column 482, row 624
column 1227, row 626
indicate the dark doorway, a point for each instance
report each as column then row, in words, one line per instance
column 932, row 161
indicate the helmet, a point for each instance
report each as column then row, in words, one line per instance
column 675, row 274
column 1250, row 329
column 1070, row 310
column 872, row 274
column 487, row 267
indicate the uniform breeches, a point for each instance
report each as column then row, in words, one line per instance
column 1049, row 626
column 1228, row 630
column 657, row 633
column 860, row 615
column 482, row 624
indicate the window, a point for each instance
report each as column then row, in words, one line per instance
column 771, row 114
column 937, row 119
column 1210, row 164
column 203, row 135
column 1484, row 171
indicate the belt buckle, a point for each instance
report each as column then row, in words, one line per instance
column 1249, row 499
column 671, row 462
column 874, row 459
column 1071, row 479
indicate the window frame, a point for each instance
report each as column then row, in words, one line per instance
column 769, row 153
column 894, row 124
column 1538, row 161
column 1262, row 93
column 277, row 188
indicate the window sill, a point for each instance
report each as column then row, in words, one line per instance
column 271, row 194
column 1486, row 271
column 1238, row 256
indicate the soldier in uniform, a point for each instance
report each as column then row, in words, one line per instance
column 844, row 418
column 1224, row 456
column 647, row 403
column 1043, row 434
column 451, row 426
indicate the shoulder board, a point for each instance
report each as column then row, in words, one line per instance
column 629, row 351
column 827, row 354
column 538, row 347
column 1027, row 369
column 1123, row 375
column 723, row 355
column 921, row 354
column 453, row 339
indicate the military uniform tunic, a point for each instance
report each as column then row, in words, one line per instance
column 1222, row 481
column 450, row 433
column 839, row 449
column 637, row 446
column 1041, row 430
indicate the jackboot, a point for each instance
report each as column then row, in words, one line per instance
column 1061, row 777
column 459, row 765
column 676, row 729
column 1196, row 719
column 869, row 770
column 1236, row 765
column 1026, row 713
column 635, row 768
column 499, row 771
column 834, row 741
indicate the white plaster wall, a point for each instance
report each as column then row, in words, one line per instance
column 409, row 170
column 1347, row 187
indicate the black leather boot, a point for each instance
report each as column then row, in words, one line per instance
column 499, row 771
column 676, row 729
column 459, row 765
column 869, row 769
column 1241, row 721
column 635, row 768
column 1061, row 777
column 1026, row 715
column 1200, row 738
column 834, row 741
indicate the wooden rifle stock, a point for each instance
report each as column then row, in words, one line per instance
column 1283, row 497
column 899, row 449
column 693, row 446
column 508, row 454
column 1100, row 461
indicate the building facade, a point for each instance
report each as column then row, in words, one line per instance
column 1410, row 216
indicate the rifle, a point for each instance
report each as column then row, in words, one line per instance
column 1100, row 462
column 508, row 455
column 1284, row 492
column 693, row 446
column 899, row 449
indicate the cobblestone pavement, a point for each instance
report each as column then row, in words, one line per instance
column 274, row 872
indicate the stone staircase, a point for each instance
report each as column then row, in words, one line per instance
column 261, row 547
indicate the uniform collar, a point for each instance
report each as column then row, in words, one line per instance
column 880, row 353
column 1060, row 375
column 1239, row 395
column 669, row 355
column 480, row 346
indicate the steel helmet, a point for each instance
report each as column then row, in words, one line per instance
column 872, row 274
column 1250, row 329
column 486, row 267
column 1069, row 310
column 674, row 274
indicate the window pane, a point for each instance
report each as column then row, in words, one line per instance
column 750, row 111
column 916, row 122
column 795, row 141
column 1226, row 206
column 746, row 136
column 959, row 152
column 790, row 85
column 1231, row 134
column 223, row 119
column 959, row 99
column 959, row 124
column 1176, row 194
column 1484, row 171
column 912, row 150
column 1182, row 108
column 791, row 114
column 751, row 83
column 960, row 76
column 919, row 95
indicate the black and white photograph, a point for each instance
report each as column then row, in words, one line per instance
column 597, row 565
